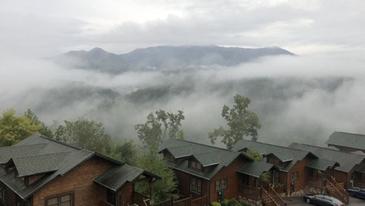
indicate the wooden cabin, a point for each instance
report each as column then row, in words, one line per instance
column 40, row 171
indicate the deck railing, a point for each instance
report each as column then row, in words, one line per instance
column 141, row 199
column 185, row 201
column 336, row 190
column 251, row 193
column 199, row 201
column 101, row 203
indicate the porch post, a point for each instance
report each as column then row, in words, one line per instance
column 150, row 187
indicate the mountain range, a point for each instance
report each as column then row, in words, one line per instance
column 165, row 58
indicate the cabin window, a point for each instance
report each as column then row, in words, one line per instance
column 20, row 203
column 61, row 200
column 168, row 157
column 110, row 197
column 245, row 180
column 195, row 185
column 275, row 177
column 2, row 194
column 294, row 177
column 26, row 180
column 195, row 165
column 221, row 184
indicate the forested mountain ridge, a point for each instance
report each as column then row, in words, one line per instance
column 165, row 58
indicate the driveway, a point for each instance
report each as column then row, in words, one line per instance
column 299, row 202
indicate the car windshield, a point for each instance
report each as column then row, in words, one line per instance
column 330, row 199
column 334, row 200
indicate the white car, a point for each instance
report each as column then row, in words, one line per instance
column 322, row 200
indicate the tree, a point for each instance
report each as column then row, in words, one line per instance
column 44, row 130
column 15, row 128
column 265, row 177
column 162, row 189
column 85, row 133
column 160, row 126
column 254, row 155
column 126, row 152
column 240, row 122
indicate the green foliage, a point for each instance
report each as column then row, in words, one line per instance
column 265, row 177
column 15, row 128
column 88, row 134
column 125, row 152
column 254, row 154
column 240, row 122
column 231, row 202
column 162, row 189
column 160, row 126
column 215, row 204
column 44, row 130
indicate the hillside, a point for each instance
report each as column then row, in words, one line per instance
column 165, row 58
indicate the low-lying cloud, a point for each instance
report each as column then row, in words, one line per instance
column 300, row 98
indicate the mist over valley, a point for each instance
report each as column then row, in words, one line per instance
column 297, row 98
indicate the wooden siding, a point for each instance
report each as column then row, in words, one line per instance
column 80, row 181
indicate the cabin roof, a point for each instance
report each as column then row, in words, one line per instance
column 211, row 157
column 36, row 155
column 347, row 161
column 117, row 176
column 349, row 140
column 322, row 164
column 288, row 156
column 255, row 168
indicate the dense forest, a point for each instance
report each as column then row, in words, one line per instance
column 160, row 125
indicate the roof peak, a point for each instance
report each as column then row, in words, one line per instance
column 328, row 149
column 274, row 145
column 59, row 142
column 206, row 145
column 349, row 133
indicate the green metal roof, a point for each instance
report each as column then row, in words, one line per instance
column 116, row 177
column 255, row 168
column 350, row 140
column 38, row 164
column 321, row 164
column 212, row 158
column 347, row 161
column 6, row 153
column 38, row 154
column 288, row 156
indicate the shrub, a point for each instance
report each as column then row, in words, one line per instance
column 215, row 204
column 231, row 202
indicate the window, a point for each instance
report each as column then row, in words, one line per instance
column 110, row 197
column 245, row 180
column 221, row 184
column 195, row 185
column 168, row 156
column 61, row 200
column 2, row 194
column 294, row 177
column 26, row 180
column 195, row 165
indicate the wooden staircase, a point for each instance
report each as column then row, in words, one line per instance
column 337, row 190
column 271, row 198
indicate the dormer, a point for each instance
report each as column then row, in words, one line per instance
column 273, row 159
column 195, row 164
column 168, row 156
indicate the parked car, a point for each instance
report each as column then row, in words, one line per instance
column 322, row 200
column 357, row 192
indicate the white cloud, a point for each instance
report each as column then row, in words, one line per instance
column 52, row 26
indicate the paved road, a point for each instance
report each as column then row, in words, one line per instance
column 299, row 202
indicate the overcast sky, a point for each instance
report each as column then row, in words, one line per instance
column 48, row 27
